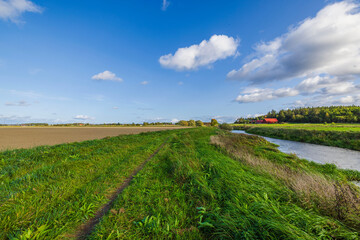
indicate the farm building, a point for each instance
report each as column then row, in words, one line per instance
column 267, row 120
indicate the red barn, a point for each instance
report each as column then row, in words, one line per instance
column 268, row 120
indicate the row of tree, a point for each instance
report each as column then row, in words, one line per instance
column 336, row 114
column 198, row 123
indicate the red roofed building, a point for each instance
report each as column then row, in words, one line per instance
column 268, row 120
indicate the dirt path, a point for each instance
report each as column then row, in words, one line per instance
column 85, row 230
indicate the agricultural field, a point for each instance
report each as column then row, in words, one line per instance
column 195, row 183
column 25, row 137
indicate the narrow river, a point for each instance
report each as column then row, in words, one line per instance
column 343, row 158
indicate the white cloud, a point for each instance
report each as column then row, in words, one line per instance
column 17, row 104
column 328, row 101
column 207, row 52
column 174, row 120
column 180, row 83
column 326, row 44
column 165, row 5
column 347, row 100
column 262, row 94
column 144, row 83
column 255, row 115
column 107, row 76
column 13, row 9
column 83, row 117
column 324, row 86
column 224, row 119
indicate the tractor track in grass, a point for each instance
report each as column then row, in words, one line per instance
column 86, row 229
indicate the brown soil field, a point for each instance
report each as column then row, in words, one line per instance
column 27, row 137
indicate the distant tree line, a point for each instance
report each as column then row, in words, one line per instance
column 190, row 123
column 336, row 114
column 198, row 123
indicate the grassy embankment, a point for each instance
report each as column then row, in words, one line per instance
column 204, row 184
column 337, row 135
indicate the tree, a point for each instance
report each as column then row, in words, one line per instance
column 199, row 123
column 191, row 123
column 183, row 123
column 214, row 122
column 282, row 116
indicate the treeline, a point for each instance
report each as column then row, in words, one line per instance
column 198, row 123
column 336, row 114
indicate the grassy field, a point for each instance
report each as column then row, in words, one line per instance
column 355, row 127
column 204, row 183
column 25, row 137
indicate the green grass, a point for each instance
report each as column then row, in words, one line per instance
column 344, row 127
column 194, row 190
column 204, row 184
column 49, row 190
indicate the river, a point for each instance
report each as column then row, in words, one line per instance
column 342, row 158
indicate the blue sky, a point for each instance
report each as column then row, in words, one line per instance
column 135, row 61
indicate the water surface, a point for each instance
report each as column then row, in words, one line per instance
column 342, row 158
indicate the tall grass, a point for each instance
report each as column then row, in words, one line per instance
column 48, row 191
column 195, row 190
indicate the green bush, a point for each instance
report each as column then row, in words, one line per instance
column 199, row 123
column 226, row 126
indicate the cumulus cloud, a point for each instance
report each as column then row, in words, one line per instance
column 83, row 117
column 321, row 53
column 324, row 86
column 321, row 100
column 174, row 120
column 17, row 104
column 326, row 44
column 259, row 94
column 165, row 5
column 347, row 100
column 106, row 76
column 13, row 9
column 207, row 52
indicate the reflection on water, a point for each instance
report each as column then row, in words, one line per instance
column 343, row 158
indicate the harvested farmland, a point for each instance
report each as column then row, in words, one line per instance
column 199, row 183
column 25, row 137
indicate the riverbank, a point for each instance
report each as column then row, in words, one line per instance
column 343, row 139
column 200, row 183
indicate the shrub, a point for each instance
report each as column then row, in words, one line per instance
column 191, row 123
column 214, row 122
column 199, row 123
column 183, row 123
column 226, row 126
